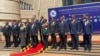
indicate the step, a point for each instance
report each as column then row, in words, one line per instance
column 10, row 49
column 75, row 53
column 53, row 54
column 94, row 52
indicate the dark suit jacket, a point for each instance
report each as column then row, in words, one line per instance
column 53, row 27
column 6, row 30
column 63, row 27
column 37, row 23
column 15, row 30
column 40, row 25
column 87, row 29
column 74, row 27
column 28, row 25
column 34, row 29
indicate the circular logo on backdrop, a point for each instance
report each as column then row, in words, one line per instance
column 53, row 13
column 95, row 20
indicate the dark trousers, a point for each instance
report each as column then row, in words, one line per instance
column 75, row 41
column 53, row 40
column 41, row 37
column 27, row 38
column 83, row 40
column 63, row 41
column 15, row 40
column 19, row 39
column 34, row 40
column 87, row 42
column 45, row 41
column 7, row 39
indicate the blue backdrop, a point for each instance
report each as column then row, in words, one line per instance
column 91, row 9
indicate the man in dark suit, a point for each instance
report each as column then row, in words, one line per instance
column 82, row 23
column 19, row 25
column 28, row 32
column 53, row 31
column 36, row 22
column 74, row 31
column 7, row 34
column 40, row 26
column 63, row 31
column 87, row 33
column 15, row 32
column 34, row 33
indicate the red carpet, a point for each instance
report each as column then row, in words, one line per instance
column 29, row 52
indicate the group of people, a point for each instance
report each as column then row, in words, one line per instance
column 27, row 32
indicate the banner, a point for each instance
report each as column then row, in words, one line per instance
column 91, row 9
